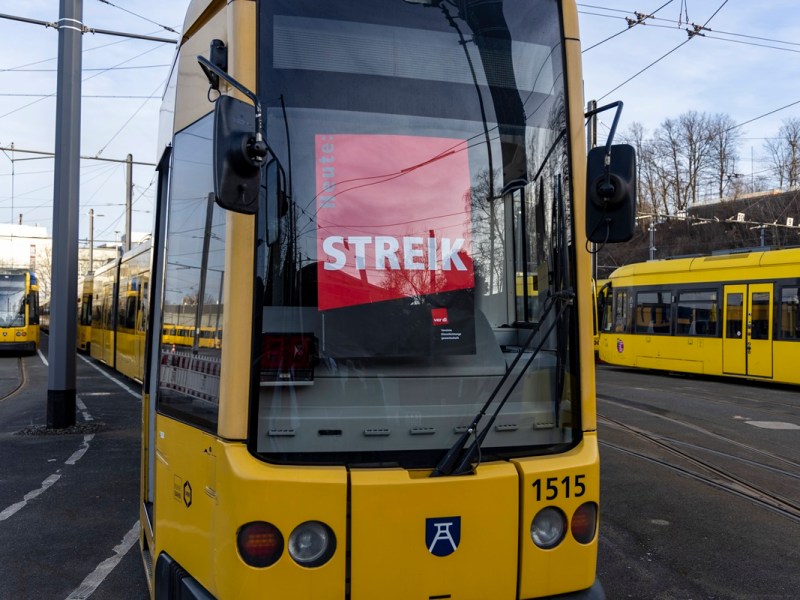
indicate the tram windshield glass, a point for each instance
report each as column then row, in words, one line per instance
column 425, row 233
column 12, row 300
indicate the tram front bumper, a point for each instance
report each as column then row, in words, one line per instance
column 18, row 347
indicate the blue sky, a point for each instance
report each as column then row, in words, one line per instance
column 747, row 65
column 723, row 72
column 122, row 85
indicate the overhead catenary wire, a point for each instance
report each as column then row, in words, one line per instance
column 152, row 96
column 640, row 19
column 102, row 96
column 85, row 29
column 130, row 12
column 84, row 69
column 690, row 38
column 47, row 69
column 673, row 24
column 53, row 95
column 766, row 114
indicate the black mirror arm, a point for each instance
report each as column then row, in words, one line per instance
column 258, row 147
column 606, row 189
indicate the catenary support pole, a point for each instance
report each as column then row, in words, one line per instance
column 61, row 388
column 128, row 200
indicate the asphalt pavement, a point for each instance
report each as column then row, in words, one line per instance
column 670, row 528
column 69, row 499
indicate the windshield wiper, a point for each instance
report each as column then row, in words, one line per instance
column 447, row 466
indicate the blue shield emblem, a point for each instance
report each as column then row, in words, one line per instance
column 442, row 535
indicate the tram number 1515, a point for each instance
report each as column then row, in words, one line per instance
column 570, row 487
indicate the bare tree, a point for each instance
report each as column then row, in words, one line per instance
column 784, row 152
column 724, row 151
column 44, row 273
column 685, row 154
column 654, row 182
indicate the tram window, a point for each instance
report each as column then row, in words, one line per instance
column 143, row 300
column 696, row 313
column 608, row 315
column 189, row 374
column 622, row 320
column 733, row 316
column 790, row 325
column 34, row 308
column 108, row 314
column 86, row 310
column 760, row 319
column 653, row 312
column 97, row 312
column 130, row 312
column 529, row 254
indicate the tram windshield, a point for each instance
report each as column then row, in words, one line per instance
column 12, row 300
column 425, row 225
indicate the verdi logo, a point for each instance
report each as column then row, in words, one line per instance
column 393, row 218
column 439, row 316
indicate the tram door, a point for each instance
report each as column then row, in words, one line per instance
column 747, row 342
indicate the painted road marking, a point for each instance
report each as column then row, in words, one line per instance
column 93, row 580
column 773, row 425
column 107, row 376
column 15, row 508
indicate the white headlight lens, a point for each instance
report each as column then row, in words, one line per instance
column 312, row 544
column 548, row 527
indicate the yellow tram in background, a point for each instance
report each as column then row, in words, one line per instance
column 600, row 289
column 84, row 336
column 19, row 310
column 730, row 314
column 382, row 206
column 118, row 303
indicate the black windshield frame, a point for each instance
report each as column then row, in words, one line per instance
column 336, row 90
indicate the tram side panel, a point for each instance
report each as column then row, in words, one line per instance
column 104, row 308
column 131, row 317
column 676, row 316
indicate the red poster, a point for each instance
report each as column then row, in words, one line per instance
column 393, row 218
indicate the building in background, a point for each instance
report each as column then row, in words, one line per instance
column 30, row 247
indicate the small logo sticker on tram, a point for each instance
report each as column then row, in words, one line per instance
column 620, row 346
column 187, row 494
column 442, row 535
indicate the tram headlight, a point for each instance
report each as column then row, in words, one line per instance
column 584, row 522
column 260, row 544
column 548, row 527
column 312, row 544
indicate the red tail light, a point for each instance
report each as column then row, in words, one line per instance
column 260, row 544
column 584, row 523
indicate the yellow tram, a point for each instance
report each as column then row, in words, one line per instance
column 85, row 287
column 730, row 314
column 119, row 308
column 19, row 310
column 382, row 206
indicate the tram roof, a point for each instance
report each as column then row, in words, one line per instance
column 708, row 265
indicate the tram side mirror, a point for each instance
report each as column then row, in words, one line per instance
column 237, row 156
column 276, row 200
column 611, row 194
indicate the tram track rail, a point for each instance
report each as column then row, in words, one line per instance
column 20, row 381
column 713, row 475
column 627, row 405
column 772, row 406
